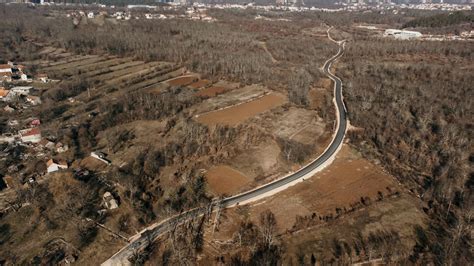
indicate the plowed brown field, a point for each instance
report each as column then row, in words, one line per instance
column 241, row 112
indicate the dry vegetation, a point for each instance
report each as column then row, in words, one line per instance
column 124, row 90
column 351, row 212
column 136, row 98
column 413, row 101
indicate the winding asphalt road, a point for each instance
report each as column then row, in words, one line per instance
column 140, row 240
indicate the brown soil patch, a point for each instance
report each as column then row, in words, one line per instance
column 347, row 181
column 199, row 84
column 236, row 114
column 182, row 81
column 211, row 91
column 343, row 183
column 223, row 179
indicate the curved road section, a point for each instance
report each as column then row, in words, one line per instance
column 142, row 239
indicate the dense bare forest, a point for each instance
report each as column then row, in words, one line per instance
column 413, row 101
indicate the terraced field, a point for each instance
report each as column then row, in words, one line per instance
column 106, row 73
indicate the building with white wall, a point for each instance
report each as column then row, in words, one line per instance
column 402, row 34
column 32, row 135
column 54, row 166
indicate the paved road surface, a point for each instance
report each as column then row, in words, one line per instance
column 152, row 232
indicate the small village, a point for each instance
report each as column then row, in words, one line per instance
column 22, row 138
column 196, row 12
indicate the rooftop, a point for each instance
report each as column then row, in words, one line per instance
column 32, row 132
column 52, row 161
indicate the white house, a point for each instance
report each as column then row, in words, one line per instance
column 109, row 201
column 23, row 76
column 32, row 135
column 402, row 34
column 54, row 166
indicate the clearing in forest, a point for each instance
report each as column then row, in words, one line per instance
column 241, row 112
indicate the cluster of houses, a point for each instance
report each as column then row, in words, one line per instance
column 119, row 15
column 89, row 14
column 27, row 133
column 11, row 72
column 22, row 139
column 14, row 92
column 46, row 148
column 32, row 139
column 17, row 93
column 122, row 15
column 192, row 13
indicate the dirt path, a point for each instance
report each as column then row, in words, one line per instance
column 265, row 48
